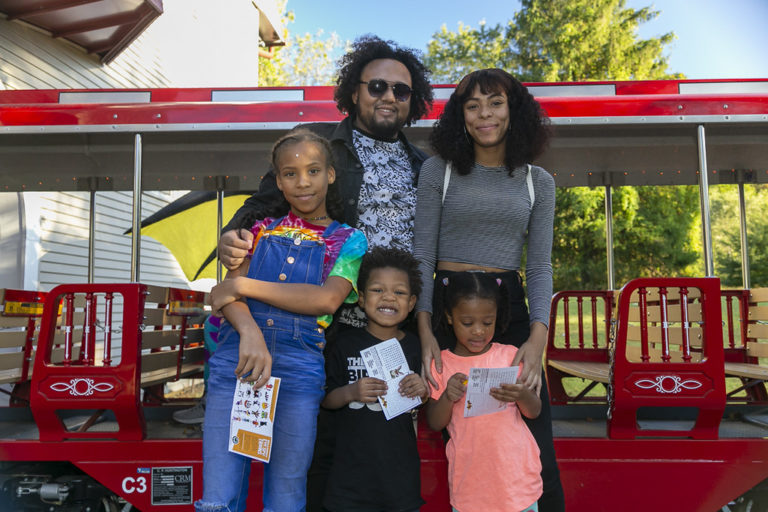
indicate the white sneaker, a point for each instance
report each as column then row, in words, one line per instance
column 193, row 415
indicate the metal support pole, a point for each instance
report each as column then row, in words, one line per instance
column 706, row 227
column 219, row 221
column 92, row 185
column 136, row 231
column 609, row 237
column 743, row 232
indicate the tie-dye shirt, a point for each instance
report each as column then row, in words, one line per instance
column 344, row 249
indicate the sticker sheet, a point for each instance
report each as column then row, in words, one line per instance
column 253, row 414
column 386, row 361
column 478, row 399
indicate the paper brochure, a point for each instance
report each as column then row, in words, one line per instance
column 386, row 361
column 253, row 414
column 478, row 398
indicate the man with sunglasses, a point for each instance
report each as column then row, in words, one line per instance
column 381, row 87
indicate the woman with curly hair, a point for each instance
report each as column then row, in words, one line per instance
column 479, row 203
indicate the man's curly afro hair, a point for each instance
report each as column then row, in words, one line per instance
column 368, row 48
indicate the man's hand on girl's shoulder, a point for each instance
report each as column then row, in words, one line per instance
column 234, row 246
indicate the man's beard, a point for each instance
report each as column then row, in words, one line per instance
column 385, row 131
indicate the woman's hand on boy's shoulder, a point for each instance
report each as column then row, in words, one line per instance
column 413, row 385
column 430, row 349
column 368, row 389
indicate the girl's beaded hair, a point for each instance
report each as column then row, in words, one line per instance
column 281, row 207
column 468, row 285
column 297, row 136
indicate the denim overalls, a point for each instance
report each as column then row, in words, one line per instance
column 296, row 344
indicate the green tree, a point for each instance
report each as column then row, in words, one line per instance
column 570, row 40
column 555, row 40
column 726, row 237
column 305, row 59
column 573, row 40
column 311, row 59
column 451, row 55
column 271, row 70
column 652, row 235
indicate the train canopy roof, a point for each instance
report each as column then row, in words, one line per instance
column 605, row 133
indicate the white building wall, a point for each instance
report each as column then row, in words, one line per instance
column 62, row 229
column 31, row 59
column 194, row 43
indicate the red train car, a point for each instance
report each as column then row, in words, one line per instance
column 86, row 365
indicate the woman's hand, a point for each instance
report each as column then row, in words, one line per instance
column 530, row 354
column 430, row 349
column 254, row 357
column 225, row 293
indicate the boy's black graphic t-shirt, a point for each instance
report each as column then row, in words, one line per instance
column 376, row 463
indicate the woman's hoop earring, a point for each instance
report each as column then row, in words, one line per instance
column 466, row 134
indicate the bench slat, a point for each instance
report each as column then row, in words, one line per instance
column 77, row 319
column 11, row 360
column 584, row 370
column 161, row 317
column 675, row 335
column 13, row 321
column 634, row 354
column 757, row 331
column 12, row 339
column 10, row 376
column 167, row 358
column 758, row 295
column 757, row 349
column 746, row 370
column 758, row 313
column 166, row 374
column 673, row 313
column 158, row 339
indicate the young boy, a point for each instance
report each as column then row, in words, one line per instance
column 376, row 464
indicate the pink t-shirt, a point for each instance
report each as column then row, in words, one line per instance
column 493, row 460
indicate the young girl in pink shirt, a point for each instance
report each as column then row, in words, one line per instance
column 493, row 460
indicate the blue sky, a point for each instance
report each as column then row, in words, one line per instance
column 715, row 38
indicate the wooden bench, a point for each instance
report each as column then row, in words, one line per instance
column 20, row 312
column 116, row 341
column 746, row 343
column 577, row 344
column 176, row 315
column 668, row 353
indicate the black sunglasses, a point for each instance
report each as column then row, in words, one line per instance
column 378, row 87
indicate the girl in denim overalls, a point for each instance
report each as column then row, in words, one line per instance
column 303, row 266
